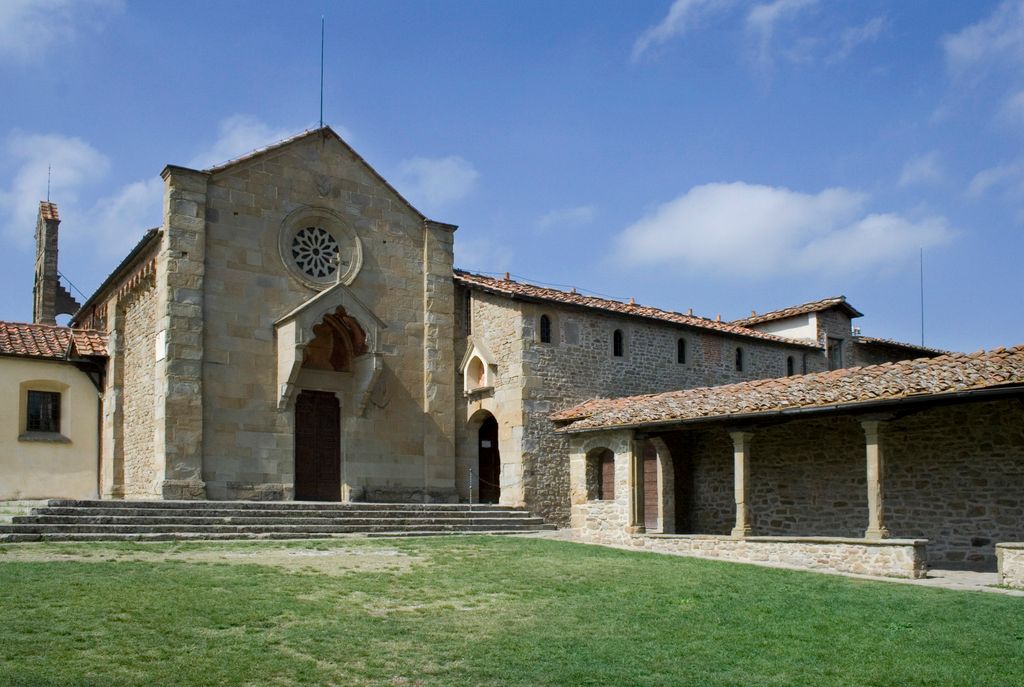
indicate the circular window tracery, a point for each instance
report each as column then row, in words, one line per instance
column 319, row 247
column 315, row 252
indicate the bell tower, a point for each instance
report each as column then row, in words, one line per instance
column 49, row 297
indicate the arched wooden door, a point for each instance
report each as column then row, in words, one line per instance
column 489, row 467
column 317, row 447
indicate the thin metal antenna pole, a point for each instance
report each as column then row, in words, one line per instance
column 921, row 262
column 321, row 71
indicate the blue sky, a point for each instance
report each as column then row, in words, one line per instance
column 724, row 155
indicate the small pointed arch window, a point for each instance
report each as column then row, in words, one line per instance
column 739, row 359
column 681, row 351
column 618, row 344
column 545, row 329
column 790, row 366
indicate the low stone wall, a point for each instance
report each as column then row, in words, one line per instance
column 887, row 557
column 1010, row 559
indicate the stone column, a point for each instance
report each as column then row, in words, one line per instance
column 180, row 269
column 741, row 476
column 635, row 487
column 873, row 450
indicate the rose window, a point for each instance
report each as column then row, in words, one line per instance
column 315, row 252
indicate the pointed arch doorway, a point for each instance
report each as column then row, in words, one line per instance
column 489, row 461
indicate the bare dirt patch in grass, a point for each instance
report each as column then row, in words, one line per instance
column 327, row 561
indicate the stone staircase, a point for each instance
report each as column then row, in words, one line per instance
column 73, row 520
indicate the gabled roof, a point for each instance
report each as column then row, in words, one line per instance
column 50, row 342
column 520, row 290
column 323, row 131
column 890, row 343
column 802, row 309
column 921, row 379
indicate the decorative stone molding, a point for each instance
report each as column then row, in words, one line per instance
column 319, row 248
column 479, row 369
column 295, row 330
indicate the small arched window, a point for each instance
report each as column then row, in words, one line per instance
column 789, row 366
column 739, row 359
column 545, row 329
column 618, row 347
column 681, row 351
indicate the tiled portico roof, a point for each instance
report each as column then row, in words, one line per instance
column 802, row 309
column 49, row 342
column 921, row 378
column 515, row 289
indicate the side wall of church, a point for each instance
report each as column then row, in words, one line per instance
column 535, row 379
column 138, row 315
column 248, row 439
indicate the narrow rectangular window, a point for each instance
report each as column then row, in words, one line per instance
column 681, row 351
column 789, row 366
column 43, row 411
column 545, row 329
column 835, row 354
column 617, row 344
column 739, row 359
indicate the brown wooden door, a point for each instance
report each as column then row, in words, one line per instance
column 317, row 447
column 490, row 462
column 650, row 486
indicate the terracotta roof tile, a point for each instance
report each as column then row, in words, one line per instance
column 48, row 210
column 508, row 287
column 955, row 372
column 873, row 341
column 802, row 309
column 89, row 342
column 34, row 340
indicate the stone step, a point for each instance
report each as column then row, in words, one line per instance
column 278, row 505
column 300, row 530
column 347, row 520
column 270, row 512
column 233, row 536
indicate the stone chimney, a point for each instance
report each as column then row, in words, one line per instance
column 49, row 298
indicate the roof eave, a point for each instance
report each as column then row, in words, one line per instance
column 1015, row 389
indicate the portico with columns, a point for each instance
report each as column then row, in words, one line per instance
column 939, row 477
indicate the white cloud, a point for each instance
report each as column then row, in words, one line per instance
column 28, row 28
column 763, row 231
column 855, row 36
column 436, row 181
column 682, row 15
column 1010, row 176
column 74, row 164
column 1012, row 110
column 568, row 217
column 998, row 38
column 236, row 136
column 922, row 170
column 762, row 21
column 117, row 222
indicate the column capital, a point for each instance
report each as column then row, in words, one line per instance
column 741, row 437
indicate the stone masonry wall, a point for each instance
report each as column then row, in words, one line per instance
column 248, row 442
column 578, row 365
column 953, row 475
column 141, row 474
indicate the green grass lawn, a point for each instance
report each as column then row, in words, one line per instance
column 477, row 611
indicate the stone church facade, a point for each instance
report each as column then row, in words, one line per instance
column 295, row 329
